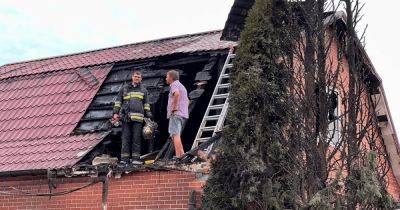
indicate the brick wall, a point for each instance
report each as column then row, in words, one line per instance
column 144, row 190
column 393, row 187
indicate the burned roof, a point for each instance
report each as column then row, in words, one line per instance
column 241, row 8
column 50, row 107
column 236, row 19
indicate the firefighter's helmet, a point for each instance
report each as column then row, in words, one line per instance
column 149, row 129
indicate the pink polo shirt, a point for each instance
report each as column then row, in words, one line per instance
column 183, row 103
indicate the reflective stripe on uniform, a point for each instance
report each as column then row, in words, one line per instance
column 130, row 95
column 137, row 96
column 117, row 104
column 136, row 116
column 125, row 154
column 147, row 107
column 138, row 93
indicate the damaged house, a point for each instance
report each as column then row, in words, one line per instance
column 55, row 116
column 59, row 150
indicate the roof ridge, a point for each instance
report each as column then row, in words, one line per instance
column 118, row 46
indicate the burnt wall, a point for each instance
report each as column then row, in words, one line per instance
column 199, row 73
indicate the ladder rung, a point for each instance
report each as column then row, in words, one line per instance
column 210, row 128
column 204, row 134
column 201, row 140
column 226, row 85
column 225, row 95
column 214, row 107
column 213, row 117
column 228, row 66
column 224, row 76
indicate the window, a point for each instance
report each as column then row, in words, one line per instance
column 333, row 117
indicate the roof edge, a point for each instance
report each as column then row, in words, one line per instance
column 30, row 172
column 118, row 46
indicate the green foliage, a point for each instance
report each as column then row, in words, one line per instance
column 255, row 168
column 325, row 199
column 248, row 173
column 365, row 188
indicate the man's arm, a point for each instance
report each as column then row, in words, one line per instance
column 176, row 95
column 118, row 103
column 146, row 105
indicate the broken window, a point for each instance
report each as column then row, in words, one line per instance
column 333, row 114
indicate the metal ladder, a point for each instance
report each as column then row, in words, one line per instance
column 214, row 117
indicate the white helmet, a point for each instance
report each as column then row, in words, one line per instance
column 149, row 129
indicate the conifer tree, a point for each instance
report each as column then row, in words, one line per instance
column 250, row 170
column 282, row 146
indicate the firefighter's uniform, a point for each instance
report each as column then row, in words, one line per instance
column 133, row 106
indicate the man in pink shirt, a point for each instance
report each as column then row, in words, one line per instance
column 177, row 110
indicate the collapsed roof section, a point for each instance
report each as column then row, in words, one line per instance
column 52, row 110
column 198, row 73
column 153, row 74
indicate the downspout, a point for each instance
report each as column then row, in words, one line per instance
column 104, row 194
column 192, row 200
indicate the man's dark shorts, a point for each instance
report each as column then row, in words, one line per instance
column 175, row 125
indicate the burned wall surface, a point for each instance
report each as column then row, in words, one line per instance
column 199, row 73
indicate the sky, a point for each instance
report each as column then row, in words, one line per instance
column 383, row 48
column 43, row 28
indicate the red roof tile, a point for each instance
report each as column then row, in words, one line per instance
column 182, row 44
column 52, row 152
column 42, row 101
column 37, row 115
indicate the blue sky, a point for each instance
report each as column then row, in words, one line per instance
column 42, row 28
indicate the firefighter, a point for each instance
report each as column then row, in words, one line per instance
column 131, row 107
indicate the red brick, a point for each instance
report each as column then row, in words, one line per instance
column 133, row 191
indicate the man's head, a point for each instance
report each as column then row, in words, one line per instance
column 136, row 77
column 172, row 76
